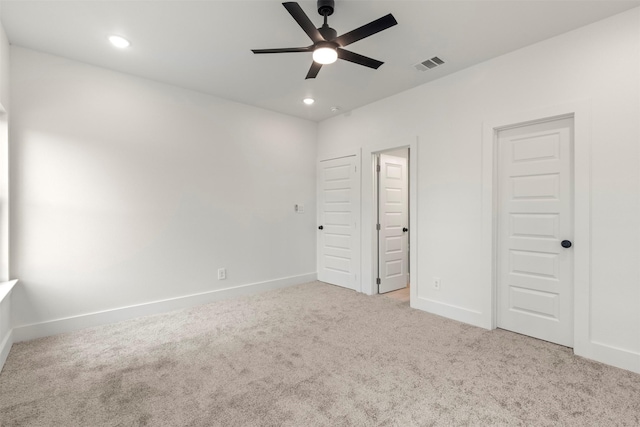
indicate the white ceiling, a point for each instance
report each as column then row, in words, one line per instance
column 206, row 45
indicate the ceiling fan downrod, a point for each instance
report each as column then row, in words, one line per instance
column 325, row 8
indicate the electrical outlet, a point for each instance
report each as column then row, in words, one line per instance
column 298, row 208
column 222, row 273
column 436, row 283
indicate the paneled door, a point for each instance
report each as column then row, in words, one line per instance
column 338, row 217
column 393, row 216
column 535, row 228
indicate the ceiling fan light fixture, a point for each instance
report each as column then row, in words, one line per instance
column 325, row 55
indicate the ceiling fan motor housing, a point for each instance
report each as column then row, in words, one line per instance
column 325, row 7
column 328, row 33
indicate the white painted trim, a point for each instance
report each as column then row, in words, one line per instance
column 74, row 323
column 413, row 222
column 7, row 340
column 638, row 302
column 375, row 249
column 615, row 356
column 368, row 275
column 5, row 206
column 5, row 348
column 338, row 155
column 461, row 314
column 358, row 233
column 582, row 228
column 6, row 288
column 581, row 113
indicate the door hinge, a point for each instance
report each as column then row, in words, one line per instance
column 378, row 227
column 378, row 281
column 377, row 168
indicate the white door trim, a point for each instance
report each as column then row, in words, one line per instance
column 581, row 113
column 339, row 155
column 357, row 251
column 370, row 207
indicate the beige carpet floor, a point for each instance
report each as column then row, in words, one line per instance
column 309, row 355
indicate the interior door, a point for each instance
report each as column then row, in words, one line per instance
column 393, row 256
column 535, row 227
column 339, row 216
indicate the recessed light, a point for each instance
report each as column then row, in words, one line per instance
column 120, row 42
column 308, row 101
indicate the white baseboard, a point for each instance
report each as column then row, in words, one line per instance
column 449, row 311
column 74, row 323
column 6, row 332
column 610, row 355
column 5, row 347
column 599, row 352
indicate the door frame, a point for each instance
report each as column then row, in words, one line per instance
column 4, row 195
column 581, row 114
column 357, row 194
column 370, row 212
column 376, row 202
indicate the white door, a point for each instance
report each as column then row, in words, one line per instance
column 339, row 215
column 535, row 271
column 393, row 258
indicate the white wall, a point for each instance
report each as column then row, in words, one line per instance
column 4, row 155
column 4, row 68
column 127, row 191
column 6, row 326
column 598, row 65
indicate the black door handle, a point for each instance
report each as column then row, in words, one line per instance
column 566, row 243
column 321, row 228
column 405, row 229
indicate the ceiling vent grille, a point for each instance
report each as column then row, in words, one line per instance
column 429, row 64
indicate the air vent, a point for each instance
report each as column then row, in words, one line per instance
column 429, row 64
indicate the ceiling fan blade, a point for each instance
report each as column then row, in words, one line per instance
column 303, row 20
column 366, row 30
column 284, row 50
column 356, row 58
column 313, row 71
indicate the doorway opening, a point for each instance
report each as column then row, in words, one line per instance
column 392, row 234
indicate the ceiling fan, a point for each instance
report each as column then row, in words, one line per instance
column 327, row 47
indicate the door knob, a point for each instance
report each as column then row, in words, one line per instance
column 566, row 243
column 321, row 228
column 405, row 229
